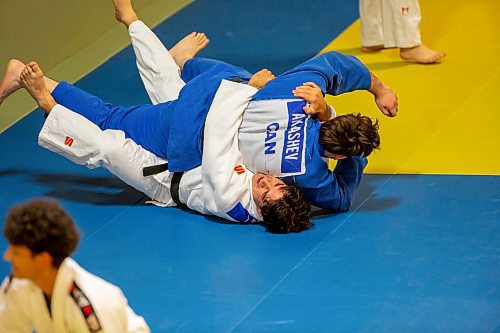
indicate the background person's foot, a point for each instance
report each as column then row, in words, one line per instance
column 421, row 54
column 11, row 79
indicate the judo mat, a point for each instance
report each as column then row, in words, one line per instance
column 418, row 252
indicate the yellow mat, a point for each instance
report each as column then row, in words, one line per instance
column 449, row 117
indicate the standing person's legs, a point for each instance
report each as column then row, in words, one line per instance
column 401, row 23
column 372, row 33
column 401, row 20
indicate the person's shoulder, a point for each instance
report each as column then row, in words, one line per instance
column 90, row 283
column 14, row 287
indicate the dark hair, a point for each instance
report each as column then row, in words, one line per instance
column 42, row 225
column 350, row 135
column 290, row 213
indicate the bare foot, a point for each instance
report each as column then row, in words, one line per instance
column 124, row 12
column 32, row 80
column 188, row 47
column 370, row 49
column 11, row 81
column 421, row 54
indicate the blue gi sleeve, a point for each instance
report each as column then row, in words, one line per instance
column 332, row 190
column 333, row 72
column 343, row 73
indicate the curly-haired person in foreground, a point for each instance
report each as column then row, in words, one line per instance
column 47, row 290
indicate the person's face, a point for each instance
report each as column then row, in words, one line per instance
column 265, row 188
column 25, row 264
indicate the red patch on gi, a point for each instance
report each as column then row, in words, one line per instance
column 239, row 169
column 87, row 310
column 68, row 141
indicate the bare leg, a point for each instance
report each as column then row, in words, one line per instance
column 188, row 47
column 421, row 54
column 184, row 50
column 11, row 81
column 124, row 12
column 33, row 81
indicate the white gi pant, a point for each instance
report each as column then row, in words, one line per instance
column 391, row 23
column 214, row 190
column 23, row 308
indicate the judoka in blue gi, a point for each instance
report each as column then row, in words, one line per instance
column 163, row 130
column 274, row 114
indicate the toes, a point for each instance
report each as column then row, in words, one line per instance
column 204, row 43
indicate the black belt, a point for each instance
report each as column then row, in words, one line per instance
column 154, row 169
column 176, row 179
column 174, row 184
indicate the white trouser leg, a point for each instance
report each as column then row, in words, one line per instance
column 158, row 70
column 76, row 138
column 401, row 23
column 370, row 13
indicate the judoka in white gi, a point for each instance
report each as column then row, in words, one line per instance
column 394, row 23
column 48, row 291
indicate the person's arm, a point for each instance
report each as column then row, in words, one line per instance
column 385, row 97
column 345, row 73
column 335, row 190
column 226, row 182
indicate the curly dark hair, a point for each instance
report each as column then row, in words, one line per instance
column 290, row 213
column 350, row 135
column 42, row 225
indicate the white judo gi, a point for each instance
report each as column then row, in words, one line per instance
column 391, row 23
column 221, row 186
column 81, row 303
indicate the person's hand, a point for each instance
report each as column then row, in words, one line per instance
column 261, row 78
column 313, row 95
column 387, row 101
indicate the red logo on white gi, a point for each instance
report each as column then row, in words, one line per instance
column 239, row 169
column 405, row 10
column 69, row 141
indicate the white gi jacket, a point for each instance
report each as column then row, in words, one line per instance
column 81, row 303
column 215, row 188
